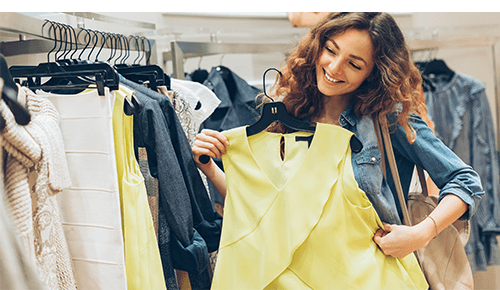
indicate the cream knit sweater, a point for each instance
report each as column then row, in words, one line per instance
column 36, row 171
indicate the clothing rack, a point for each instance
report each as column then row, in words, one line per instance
column 467, row 42
column 41, row 40
column 180, row 50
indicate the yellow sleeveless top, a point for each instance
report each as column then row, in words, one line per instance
column 142, row 256
column 301, row 222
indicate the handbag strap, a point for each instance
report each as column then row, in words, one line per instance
column 385, row 145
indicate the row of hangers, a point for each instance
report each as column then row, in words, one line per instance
column 431, row 67
column 73, row 73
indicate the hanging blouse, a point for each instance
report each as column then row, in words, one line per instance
column 301, row 222
column 142, row 256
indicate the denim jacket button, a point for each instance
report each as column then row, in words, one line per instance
column 374, row 159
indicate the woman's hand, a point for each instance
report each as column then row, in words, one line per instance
column 400, row 241
column 211, row 143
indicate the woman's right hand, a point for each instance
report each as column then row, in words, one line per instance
column 211, row 143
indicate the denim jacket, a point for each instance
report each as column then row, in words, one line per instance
column 462, row 117
column 445, row 168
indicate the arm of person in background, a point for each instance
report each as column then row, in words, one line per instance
column 305, row 19
column 211, row 143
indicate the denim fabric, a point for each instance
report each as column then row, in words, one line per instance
column 460, row 111
column 446, row 169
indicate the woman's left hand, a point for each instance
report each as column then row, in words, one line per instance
column 400, row 241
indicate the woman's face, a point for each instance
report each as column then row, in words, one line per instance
column 345, row 62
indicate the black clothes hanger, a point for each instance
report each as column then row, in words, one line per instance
column 66, row 75
column 227, row 76
column 436, row 67
column 150, row 75
column 276, row 112
column 9, row 95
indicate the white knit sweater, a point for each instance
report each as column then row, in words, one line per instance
column 36, row 172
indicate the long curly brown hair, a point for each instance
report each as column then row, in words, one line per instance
column 394, row 80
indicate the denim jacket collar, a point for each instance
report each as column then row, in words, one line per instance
column 348, row 116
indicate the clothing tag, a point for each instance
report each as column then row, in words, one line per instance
column 305, row 138
column 356, row 145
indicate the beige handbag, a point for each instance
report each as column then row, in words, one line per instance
column 443, row 261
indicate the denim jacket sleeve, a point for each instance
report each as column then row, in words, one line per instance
column 445, row 168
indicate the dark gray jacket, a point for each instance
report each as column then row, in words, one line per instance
column 183, row 197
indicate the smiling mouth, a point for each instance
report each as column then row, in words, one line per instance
column 331, row 79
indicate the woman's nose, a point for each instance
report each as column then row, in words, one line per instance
column 335, row 66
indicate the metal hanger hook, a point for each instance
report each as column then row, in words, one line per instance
column 264, row 81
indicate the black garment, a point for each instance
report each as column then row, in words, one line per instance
column 237, row 107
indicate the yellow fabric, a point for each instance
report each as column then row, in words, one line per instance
column 303, row 222
column 142, row 256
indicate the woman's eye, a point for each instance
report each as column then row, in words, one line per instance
column 355, row 66
column 330, row 50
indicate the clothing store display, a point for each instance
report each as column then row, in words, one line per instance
column 152, row 132
column 274, row 236
column 185, row 114
column 142, row 256
column 462, row 117
column 39, row 184
column 444, row 266
column 101, row 190
column 204, row 218
column 90, row 209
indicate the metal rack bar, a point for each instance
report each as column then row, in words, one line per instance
column 15, row 22
column 19, row 23
column 180, row 50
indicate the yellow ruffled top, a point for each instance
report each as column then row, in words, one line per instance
column 301, row 222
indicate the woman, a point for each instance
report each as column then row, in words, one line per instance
column 349, row 67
